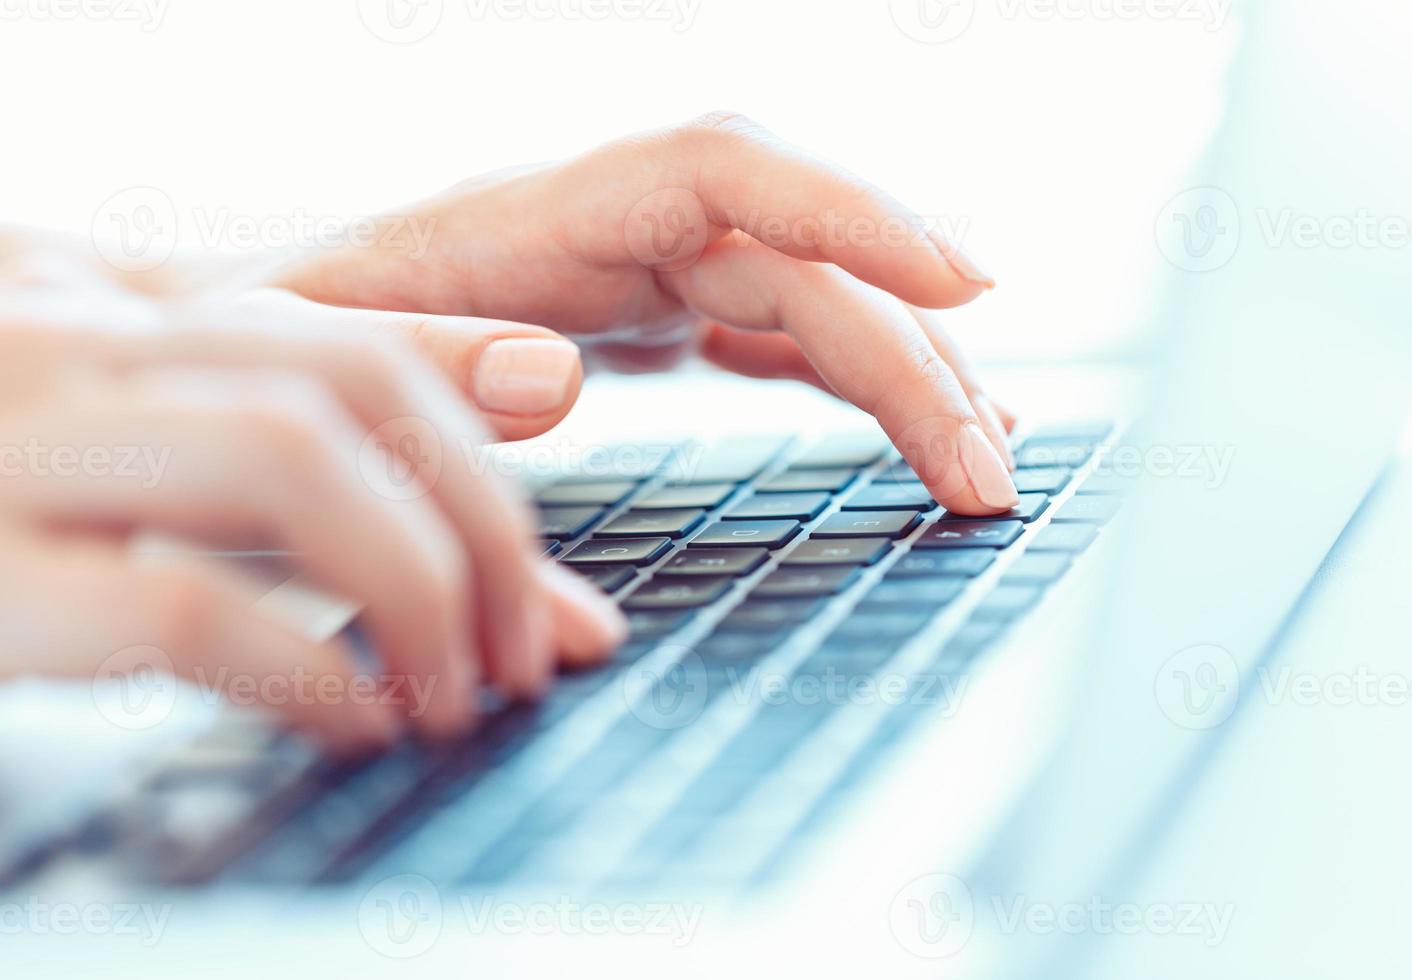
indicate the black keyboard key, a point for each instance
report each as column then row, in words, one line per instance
column 943, row 564
column 609, row 579
column 1028, row 510
column 1006, row 603
column 869, row 524
column 586, row 494
column 803, row 481
column 946, row 535
column 551, row 548
column 631, row 551
column 769, row 616
column 730, row 461
column 1046, row 453
column 1047, row 479
column 747, row 534
column 678, row 594
column 1039, row 568
column 652, row 524
column 707, row 496
column 1088, row 510
column 925, row 593
column 1072, row 538
column 646, row 625
column 898, row 472
column 847, row 551
column 779, row 506
column 705, row 562
column 567, row 523
column 803, row 583
column 892, row 496
column 835, row 452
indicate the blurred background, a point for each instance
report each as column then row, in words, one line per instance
column 1045, row 142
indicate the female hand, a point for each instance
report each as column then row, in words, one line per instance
column 713, row 233
column 269, row 423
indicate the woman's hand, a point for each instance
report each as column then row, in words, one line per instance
column 714, row 234
column 272, row 423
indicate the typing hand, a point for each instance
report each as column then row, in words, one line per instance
column 193, row 423
column 714, row 235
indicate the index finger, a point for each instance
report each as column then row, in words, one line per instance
column 725, row 172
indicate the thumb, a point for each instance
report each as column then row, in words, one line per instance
column 524, row 379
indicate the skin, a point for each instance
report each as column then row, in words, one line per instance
column 291, row 368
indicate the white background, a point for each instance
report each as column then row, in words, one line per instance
column 1051, row 136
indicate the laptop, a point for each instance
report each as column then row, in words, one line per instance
column 848, row 727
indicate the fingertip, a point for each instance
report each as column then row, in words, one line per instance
column 589, row 626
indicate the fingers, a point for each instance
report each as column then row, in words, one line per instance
column 587, row 624
column 995, row 426
column 747, row 179
column 870, row 349
column 192, row 619
column 409, row 408
column 523, row 378
column 273, row 457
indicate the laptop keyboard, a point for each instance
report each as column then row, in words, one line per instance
column 772, row 593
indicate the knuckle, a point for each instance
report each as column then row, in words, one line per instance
column 723, row 123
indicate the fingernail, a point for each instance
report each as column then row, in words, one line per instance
column 962, row 264
column 986, row 471
column 525, row 375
